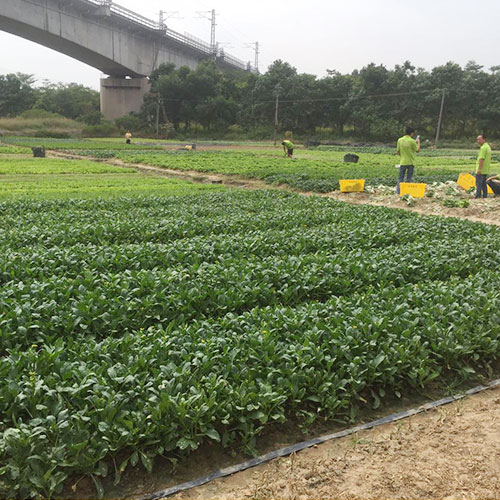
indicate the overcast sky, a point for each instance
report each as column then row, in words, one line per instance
column 313, row 36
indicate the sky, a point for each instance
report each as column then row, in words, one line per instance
column 312, row 36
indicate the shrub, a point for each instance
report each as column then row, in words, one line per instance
column 104, row 129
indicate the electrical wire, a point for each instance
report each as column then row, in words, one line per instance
column 326, row 99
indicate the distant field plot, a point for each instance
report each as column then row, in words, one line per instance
column 24, row 166
column 96, row 186
column 12, row 150
column 89, row 144
column 58, row 178
column 147, row 325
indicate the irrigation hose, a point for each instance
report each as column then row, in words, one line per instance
column 283, row 452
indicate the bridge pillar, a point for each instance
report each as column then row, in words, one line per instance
column 121, row 96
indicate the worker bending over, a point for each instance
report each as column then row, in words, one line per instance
column 288, row 147
column 494, row 183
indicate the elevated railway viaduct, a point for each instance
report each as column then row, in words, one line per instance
column 122, row 44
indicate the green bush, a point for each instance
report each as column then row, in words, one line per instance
column 104, row 129
column 131, row 122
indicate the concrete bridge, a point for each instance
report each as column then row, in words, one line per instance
column 119, row 42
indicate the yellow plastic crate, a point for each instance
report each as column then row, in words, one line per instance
column 352, row 185
column 413, row 189
column 467, row 181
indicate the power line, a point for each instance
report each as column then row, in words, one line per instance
column 326, row 99
column 438, row 92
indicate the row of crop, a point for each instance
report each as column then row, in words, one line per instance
column 100, row 304
column 42, row 262
column 13, row 150
column 141, row 220
column 77, row 144
column 69, row 407
column 96, row 186
column 40, row 166
column 158, row 220
column 390, row 150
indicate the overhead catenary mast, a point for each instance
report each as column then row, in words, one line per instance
column 257, row 53
column 211, row 16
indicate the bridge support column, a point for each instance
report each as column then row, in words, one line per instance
column 121, row 96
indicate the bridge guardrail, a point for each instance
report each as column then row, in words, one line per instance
column 233, row 61
column 186, row 39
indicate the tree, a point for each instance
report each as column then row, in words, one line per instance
column 69, row 100
column 16, row 93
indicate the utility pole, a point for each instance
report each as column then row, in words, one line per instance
column 158, row 102
column 256, row 48
column 438, row 132
column 166, row 15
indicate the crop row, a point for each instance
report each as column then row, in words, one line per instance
column 76, row 144
column 68, row 406
column 42, row 261
column 41, row 166
column 110, row 304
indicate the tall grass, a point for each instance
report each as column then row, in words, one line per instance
column 41, row 126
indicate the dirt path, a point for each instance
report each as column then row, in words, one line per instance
column 451, row 452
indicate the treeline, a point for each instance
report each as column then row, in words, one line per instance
column 372, row 103
column 19, row 94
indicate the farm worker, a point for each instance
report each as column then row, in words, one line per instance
column 494, row 183
column 128, row 136
column 483, row 167
column 288, row 147
column 407, row 149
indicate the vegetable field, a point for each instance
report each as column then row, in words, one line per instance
column 142, row 317
column 143, row 325
column 58, row 178
column 317, row 170
column 310, row 171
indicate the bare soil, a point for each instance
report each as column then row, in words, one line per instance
column 452, row 452
column 482, row 210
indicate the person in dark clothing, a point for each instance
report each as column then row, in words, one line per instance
column 494, row 183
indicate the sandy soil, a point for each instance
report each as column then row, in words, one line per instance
column 451, row 452
column 484, row 210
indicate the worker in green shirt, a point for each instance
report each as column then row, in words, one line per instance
column 408, row 148
column 483, row 167
column 288, row 147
